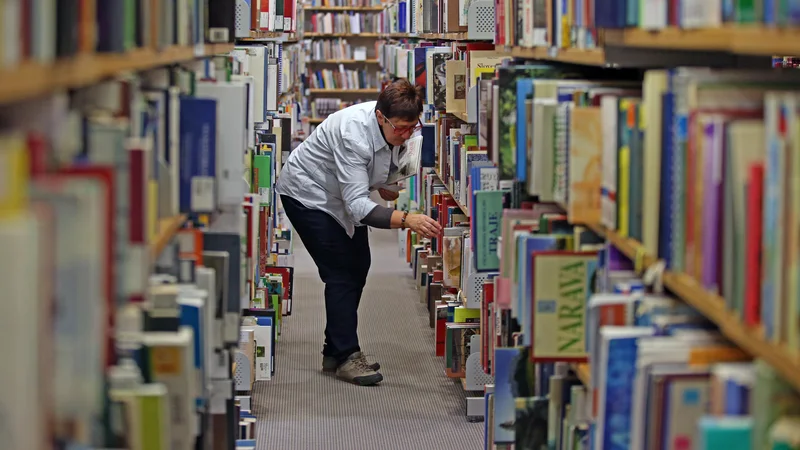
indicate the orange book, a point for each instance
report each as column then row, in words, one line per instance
column 702, row 356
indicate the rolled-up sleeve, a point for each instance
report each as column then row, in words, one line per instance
column 352, row 158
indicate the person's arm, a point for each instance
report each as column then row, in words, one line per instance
column 352, row 158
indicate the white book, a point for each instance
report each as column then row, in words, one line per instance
column 21, row 401
column 609, row 107
column 653, row 15
column 250, row 125
column 10, row 47
column 263, row 351
column 272, row 85
column 78, row 205
column 231, row 140
column 172, row 364
column 406, row 162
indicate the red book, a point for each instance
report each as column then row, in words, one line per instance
column 752, row 282
column 37, row 151
column 487, row 298
column 264, row 16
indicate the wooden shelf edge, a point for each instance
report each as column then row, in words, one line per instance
column 32, row 80
column 344, row 91
column 712, row 306
column 463, row 208
column 742, row 39
column 343, row 61
column 167, row 228
column 589, row 57
column 332, row 35
column 344, row 8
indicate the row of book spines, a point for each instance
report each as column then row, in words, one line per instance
column 628, row 215
column 273, row 15
column 575, row 22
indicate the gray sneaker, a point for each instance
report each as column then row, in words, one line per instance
column 329, row 363
column 356, row 370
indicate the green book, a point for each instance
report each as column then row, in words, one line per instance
column 488, row 218
column 262, row 177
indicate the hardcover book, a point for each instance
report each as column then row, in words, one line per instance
column 562, row 284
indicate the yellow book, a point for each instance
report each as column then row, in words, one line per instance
column 623, row 177
column 14, row 173
column 152, row 209
column 793, row 232
column 462, row 314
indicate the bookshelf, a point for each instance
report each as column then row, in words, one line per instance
column 712, row 306
column 31, row 79
column 449, row 190
column 91, row 176
column 755, row 330
column 353, row 50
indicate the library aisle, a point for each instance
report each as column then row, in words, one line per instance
column 415, row 407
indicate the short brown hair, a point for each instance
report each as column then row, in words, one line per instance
column 402, row 100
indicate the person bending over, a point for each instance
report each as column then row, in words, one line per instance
column 324, row 187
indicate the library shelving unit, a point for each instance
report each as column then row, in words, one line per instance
column 342, row 66
column 642, row 158
column 122, row 229
column 31, row 79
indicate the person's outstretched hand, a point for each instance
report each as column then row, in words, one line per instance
column 388, row 195
column 423, row 225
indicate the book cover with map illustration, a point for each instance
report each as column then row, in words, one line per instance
column 585, row 172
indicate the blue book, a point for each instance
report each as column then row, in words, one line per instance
column 737, row 398
column 504, row 409
column 665, row 219
column 198, row 169
column 428, row 150
column 192, row 314
column 488, row 403
column 618, row 359
column 524, row 92
column 401, row 17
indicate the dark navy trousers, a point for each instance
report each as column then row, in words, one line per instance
column 343, row 264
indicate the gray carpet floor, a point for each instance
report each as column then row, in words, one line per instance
column 416, row 407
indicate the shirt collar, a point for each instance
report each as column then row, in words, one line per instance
column 378, row 140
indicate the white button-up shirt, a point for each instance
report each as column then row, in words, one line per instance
column 334, row 168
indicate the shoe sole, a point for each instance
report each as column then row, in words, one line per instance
column 368, row 380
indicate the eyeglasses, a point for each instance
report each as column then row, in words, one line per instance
column 403, row 130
